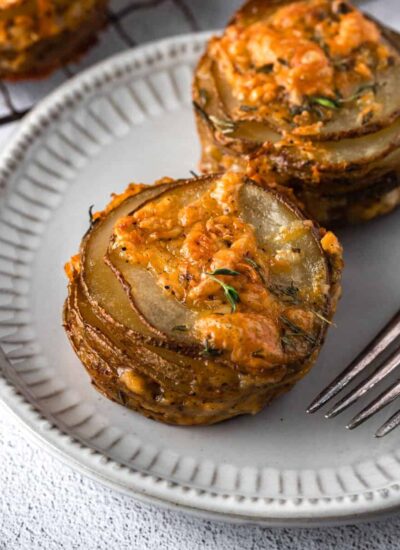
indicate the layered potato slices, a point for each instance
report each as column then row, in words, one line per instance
column 37, row 36
column 308, row 90
column 193, row 301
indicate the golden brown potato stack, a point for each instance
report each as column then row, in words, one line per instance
column 195, row 301
column 37, row 36
column 308, row 91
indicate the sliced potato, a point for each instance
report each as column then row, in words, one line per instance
column 352, row 147
column 101, row 287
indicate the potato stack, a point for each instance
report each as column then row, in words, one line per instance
column 308, row 91
column 195, row 301
column 37, row 36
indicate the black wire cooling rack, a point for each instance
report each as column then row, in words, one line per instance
column 118, row 16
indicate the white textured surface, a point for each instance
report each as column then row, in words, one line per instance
column 46, row 505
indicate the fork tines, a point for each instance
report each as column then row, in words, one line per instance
column 380, row 343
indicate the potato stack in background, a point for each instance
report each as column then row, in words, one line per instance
column 37, row 36
column 309, row 91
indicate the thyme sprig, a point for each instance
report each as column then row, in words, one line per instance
column 225, row 126
column 231, row 294
column 326, row 102
column 296, row 331
column 201, row 111
column 338, row 102
column 323, row 318
column 224, row 271
column 256, row 267
column 285, row 293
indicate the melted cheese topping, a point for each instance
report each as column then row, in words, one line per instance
column 305, row 50
column 184, row 242
column 73, row 267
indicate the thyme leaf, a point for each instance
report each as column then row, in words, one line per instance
column 337, row 103
column 224, row 271
column 285, row 293
column 359, row 92
column 255, row 266
column 325, row 102
column 231, row 294
column 201, row 111
column 297, row 331
column 320, row 316
column 286, row 342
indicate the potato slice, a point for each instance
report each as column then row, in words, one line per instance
column 99, row 284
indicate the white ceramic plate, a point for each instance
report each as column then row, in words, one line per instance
column 130, row 119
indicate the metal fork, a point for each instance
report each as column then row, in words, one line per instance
column 380, row 343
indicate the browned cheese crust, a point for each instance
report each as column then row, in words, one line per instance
column 307, row 91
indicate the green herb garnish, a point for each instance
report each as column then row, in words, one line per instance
column 180, row 328
column 255, row 266
column 285, row 293
column 359, row 92
column 286, row 342
column 335, row 104
column 325, row 102
column 231, row 293
column 296, row 331
column 201, row 112
column 320, row 316
column 224, row 271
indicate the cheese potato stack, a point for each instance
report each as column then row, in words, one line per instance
column 37, row 36
column 194, row 301
column 308, row 90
